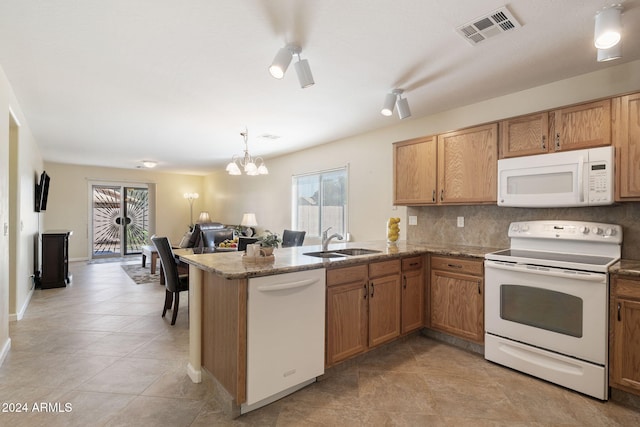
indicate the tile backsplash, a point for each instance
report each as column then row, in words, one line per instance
column 487, row 225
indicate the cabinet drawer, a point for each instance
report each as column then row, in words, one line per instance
column 459, row 265
column 626, row 287
column 384, row 268
column 413, row 263
column 347, row 275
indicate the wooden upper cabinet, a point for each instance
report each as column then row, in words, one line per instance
column 524, row 136
column 626, row 139
column 414, row 171
column 581, row 126
column 468, row 165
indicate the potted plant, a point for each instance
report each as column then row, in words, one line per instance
column 269, row 241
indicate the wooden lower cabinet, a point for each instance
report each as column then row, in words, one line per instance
column 456, row 297
column 413, row 290
column 624, row 354
column 347, row 316
column 363, row 308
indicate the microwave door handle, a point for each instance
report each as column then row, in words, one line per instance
column 581, row 178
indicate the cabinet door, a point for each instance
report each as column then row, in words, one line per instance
column 582, row 126
column 414, row 171
column 384, row 309
column 625, row 361
column 346, row 320
column 524, row 136
column 412, row 300
column 457, row 305
column 626, row 139
column 468, row 165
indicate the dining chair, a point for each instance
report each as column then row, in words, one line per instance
column 292, row 238
column 174, row 282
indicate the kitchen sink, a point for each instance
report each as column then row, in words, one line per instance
column 339, row 253
column 327, row 254
column 356, row 251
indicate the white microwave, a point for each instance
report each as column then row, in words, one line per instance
column 569, row 178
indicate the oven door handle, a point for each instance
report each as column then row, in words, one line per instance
column 547, row 271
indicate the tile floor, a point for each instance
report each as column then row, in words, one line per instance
column 97, row 353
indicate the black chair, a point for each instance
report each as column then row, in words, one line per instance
column 174, row 282
column 212, row 238
column 244, row 241
column 292, row 238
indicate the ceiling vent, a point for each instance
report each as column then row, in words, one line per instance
column 492, row 24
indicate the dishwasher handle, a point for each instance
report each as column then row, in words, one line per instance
column 288, row 285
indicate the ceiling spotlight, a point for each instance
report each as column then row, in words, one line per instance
column 610, row 54
column 395, row 98
column 608, row 27
column 282, row 60
column 149, row 164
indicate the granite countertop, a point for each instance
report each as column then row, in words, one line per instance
column 232, row 265
column 627, row 267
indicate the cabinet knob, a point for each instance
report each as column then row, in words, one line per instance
column 558, row 141
column 404, row 281
column 544, row 142
column 442, row 195
column 365, row 291
column 433, row 196
column 372, row 289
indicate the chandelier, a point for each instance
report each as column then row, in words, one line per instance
column 245, row 162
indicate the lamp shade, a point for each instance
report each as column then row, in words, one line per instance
column 403, row 108
column 304, row 73
column 389, row 104
column 280, row 63
column 204, row 217
column 608, row 27
column 614, row 52
column 249, row 220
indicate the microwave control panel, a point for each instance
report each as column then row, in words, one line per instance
column 600, row 183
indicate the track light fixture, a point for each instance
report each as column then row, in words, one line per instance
column 245, row 162
column 395, row 99
column 282, row 60
column 608, row 27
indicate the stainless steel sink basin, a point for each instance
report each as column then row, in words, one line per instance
column 356, row 251
column 339, row 253
column 327, row 254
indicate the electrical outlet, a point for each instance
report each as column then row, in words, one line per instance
column 460, row 221
column 413, row 220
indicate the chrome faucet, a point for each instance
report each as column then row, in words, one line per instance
column 326, row 240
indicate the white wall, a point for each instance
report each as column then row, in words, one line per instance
column 68, row 204
column 370, row 156
column 17, row 217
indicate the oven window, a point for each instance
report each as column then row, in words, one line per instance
column 542, row 308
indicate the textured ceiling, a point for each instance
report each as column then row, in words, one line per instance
column 111, row 83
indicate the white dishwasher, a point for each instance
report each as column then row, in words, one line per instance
column 285, row 335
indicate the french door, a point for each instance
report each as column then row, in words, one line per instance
column 119, row 219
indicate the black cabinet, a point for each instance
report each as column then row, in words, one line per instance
column 55, row 259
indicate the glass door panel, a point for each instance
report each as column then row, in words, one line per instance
column 120, row 224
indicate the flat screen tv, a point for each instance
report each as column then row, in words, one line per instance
column 42, row 192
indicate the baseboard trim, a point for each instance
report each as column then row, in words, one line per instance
column 14, row 317
column 5, row 350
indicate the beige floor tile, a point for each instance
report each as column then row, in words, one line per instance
column 101, row 346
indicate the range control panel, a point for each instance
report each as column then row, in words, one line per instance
column 567, row 230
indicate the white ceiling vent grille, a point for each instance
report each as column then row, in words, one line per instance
column 489, row 25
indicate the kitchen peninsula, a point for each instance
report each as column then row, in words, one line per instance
column 219, row 292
